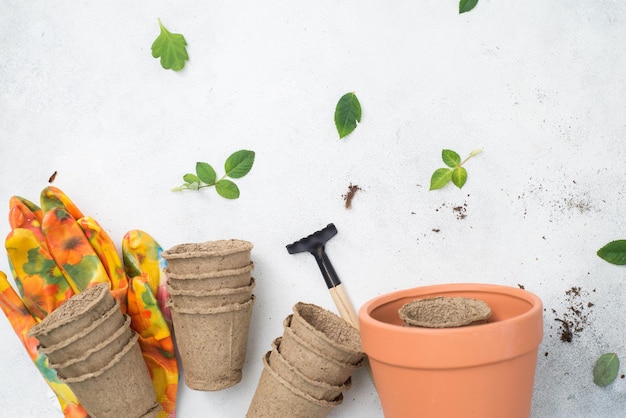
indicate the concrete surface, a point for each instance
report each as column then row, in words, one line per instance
column 539, row 85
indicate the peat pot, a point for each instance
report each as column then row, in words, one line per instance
column 482, row 371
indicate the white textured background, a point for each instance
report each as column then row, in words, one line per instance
column 540, row 85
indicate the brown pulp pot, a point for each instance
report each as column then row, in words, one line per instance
column 211, row 280
column 212, row 344
column 484, row 371
column 327, row 332
column 193, row 258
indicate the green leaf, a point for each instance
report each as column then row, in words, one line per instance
column 440, row 178
column 239, row 163
column 205, row 173
column 450, row 158
column 467, row 5
column 606, row 369
column 227, row 189
column 171, row 47
column 191, row 178
column 459, row 176
column 347, row 114
column 614, row 252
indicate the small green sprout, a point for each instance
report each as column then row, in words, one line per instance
column 455, row 170
column 236, row 166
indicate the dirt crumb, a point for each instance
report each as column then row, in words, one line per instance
column 352, row 189
column 460, row 211
column 576, row 316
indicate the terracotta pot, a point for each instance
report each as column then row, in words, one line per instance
column 481, row 371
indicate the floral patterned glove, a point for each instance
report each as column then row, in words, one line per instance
column 55, row 252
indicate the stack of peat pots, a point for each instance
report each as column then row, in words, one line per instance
column 89, row 343
column 309, row 366
column 210, row 287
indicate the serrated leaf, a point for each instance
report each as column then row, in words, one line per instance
column 172, row 48
column 614, row 252
column 347, row 114
column 239, row 163
column 466, row 5
column 227, row 189
column 606, row 369
column 450, row 158
column 205, row 172
column 191, row 178
column 440, row 178
column 459, row 176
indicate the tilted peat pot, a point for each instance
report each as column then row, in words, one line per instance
column 484, row 371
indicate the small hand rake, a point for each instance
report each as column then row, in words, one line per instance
column 314, row 244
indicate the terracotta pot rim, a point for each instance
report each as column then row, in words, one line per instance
column 497, row 341
column 374, row 303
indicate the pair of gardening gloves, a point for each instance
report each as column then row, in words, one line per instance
column 56, row 252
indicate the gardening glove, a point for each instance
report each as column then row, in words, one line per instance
column 22, row 321
column 56, row 252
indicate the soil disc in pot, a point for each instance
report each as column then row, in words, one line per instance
column 444, row 312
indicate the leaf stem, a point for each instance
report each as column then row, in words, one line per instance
column 471, row 154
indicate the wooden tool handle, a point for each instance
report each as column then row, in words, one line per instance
column 346, row 311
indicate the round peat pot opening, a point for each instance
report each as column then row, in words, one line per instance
column 484, row 370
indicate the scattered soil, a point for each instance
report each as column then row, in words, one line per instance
column 565, row 200
column 576, row 316
column 352, row 189
column 460, row 211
